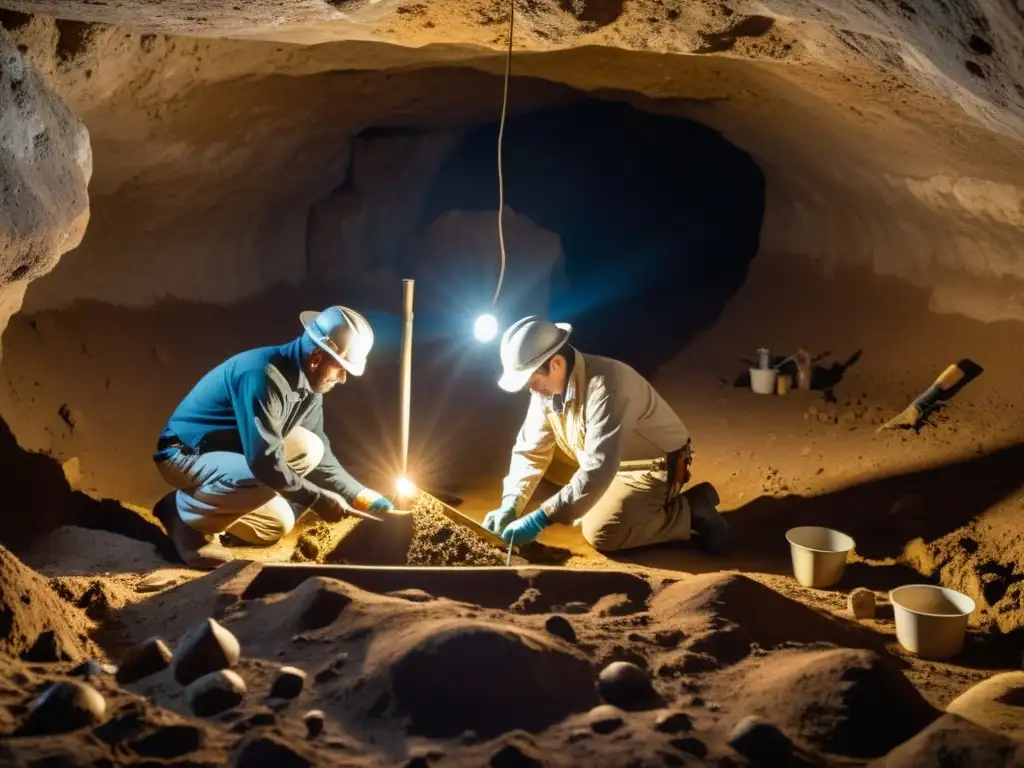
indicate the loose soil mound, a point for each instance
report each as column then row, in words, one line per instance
column 841, row 701
column 34, row 623
column 492, row 678
column 435, row 540
column 726, row 615
column 96, row 596
column 954, row 743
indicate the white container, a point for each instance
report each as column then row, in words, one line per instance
column 819, row 555
column 762, row 380
column 931, row 622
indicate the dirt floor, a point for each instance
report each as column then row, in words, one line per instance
column 721, row 638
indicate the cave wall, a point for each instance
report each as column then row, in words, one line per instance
column 45, row 166
column 211, row 153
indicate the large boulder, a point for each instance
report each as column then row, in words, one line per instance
column 45, row 167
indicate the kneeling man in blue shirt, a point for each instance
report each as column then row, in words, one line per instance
column 246, row 450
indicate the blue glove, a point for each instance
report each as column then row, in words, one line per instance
column 380, row 506
column 527, row 528
column 497, row 519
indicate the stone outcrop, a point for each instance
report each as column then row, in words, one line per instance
column 45, row 167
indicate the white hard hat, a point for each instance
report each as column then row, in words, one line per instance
column 342, row 333
column 525, row 346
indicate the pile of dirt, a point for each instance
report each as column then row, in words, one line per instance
column 727, row 615
column 35, row 624
column 427, row 537
column 97, row 597
column 843, row 702
column 495, row 678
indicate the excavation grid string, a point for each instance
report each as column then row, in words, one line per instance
column 501, row 136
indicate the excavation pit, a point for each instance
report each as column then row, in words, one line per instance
column 533, row 589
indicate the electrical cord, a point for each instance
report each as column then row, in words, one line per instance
column 501, row 136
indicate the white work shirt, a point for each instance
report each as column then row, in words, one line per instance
column 611, row 414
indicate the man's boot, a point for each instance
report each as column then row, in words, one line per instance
column 710, row 525
column 201, row 551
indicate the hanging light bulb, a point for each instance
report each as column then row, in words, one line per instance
column 485, row 328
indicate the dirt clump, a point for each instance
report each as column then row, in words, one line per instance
column 839, row 701
column 461, row 658
column 727, row 616
column 35, row 624
column 98, row 597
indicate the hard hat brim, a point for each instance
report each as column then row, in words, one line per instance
column 307, row 318
column 515, row 380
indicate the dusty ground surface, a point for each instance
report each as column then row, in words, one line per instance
column 710, row 650
column 936, row 505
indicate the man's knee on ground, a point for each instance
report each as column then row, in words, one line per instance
column 303, row 450
column 602, row 534
column 266, row 524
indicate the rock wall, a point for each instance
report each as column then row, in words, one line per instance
column 889, row 137
column 45, row 166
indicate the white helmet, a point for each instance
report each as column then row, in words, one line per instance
column 342, row 333
column 526, row 346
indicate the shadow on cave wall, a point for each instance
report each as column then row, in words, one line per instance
column 659, row 217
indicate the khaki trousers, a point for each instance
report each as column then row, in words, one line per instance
column 632, row 513
column 217, row 491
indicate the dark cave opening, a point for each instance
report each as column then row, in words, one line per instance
column 659, row 218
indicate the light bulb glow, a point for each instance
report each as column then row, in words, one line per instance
column 405, row 488
column 485, row 328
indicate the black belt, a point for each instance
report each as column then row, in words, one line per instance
column 170, row 441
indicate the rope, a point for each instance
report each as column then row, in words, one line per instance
column 501, row 136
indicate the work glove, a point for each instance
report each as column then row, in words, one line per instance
column 368, row 500
column 497, row 519
column 380, row 506
column 526, row 529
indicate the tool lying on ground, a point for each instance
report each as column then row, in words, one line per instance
column 350, row 511
column 948, row 384
column 467, row 522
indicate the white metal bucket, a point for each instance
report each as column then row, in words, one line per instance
column 762, row 380
column 931, row 621
column 819, row 555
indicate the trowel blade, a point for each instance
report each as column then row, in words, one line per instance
column 468, row 522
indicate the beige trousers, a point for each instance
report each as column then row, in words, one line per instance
column 217, row 491
column 632, row 513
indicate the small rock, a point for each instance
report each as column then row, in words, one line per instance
column 215, row 692
column 89, row 669
column 805, row 452
column 559, row 626
column 205, row 648
column 469, row 737
column 689, row 744
column 673, row 722
column 605, row 718
column 264, row 750
column 288, row 684
column 861, row 603
column 144, row 659
column 65, row 706
column 413, row 595
column 848, row 417
column 825, row 418
column 278, row 704
column 627, row 686
column 314, row 720
column 156, row 581
column 580, row 734
column 761, row 742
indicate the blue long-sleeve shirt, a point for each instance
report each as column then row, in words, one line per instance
column 248, row 404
